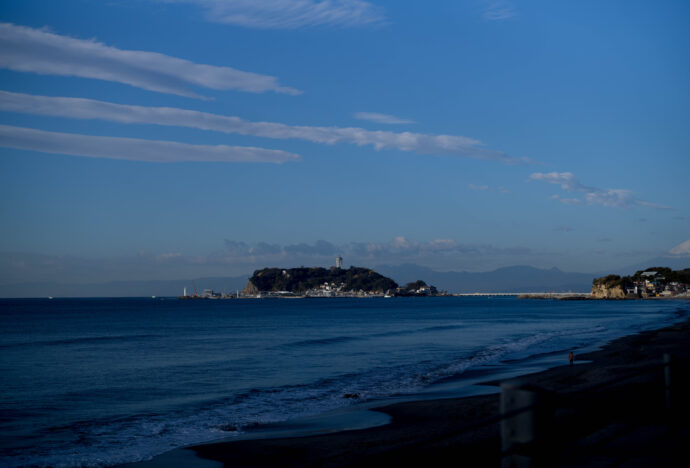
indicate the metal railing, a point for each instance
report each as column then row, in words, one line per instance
column 527, row 415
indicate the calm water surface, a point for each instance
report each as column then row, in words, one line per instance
column 95, row 382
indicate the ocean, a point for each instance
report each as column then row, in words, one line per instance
column 98, row 382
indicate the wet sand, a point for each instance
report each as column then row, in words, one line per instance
column 609, row 409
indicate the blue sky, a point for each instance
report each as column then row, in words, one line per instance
column 144, row 139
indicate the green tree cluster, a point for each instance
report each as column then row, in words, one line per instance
column 415, row 285
column 669, row 275
column 610, row 281
column 298, row 280
column 410, row 289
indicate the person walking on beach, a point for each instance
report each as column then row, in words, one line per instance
column 571, row 357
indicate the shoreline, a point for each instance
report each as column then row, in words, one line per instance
column 603, row 418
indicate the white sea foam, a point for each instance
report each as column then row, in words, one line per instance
column 140, row 438
column 108, row 441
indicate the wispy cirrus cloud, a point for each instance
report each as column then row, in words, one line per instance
column 404, row 141
column 290, row 14
column 498, row 10
column 485, row 188
column 134, row 149
column 616, row 198
column 398, row 249
column 239, row 257
column 382, row 118
column 681, row 249
column 32, row 50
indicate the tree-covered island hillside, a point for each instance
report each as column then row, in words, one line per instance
column 319, row 281
column 652, row 282
column 329, row 282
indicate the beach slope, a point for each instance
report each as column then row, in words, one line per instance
column 610, row 408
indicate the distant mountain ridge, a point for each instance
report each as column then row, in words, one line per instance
column 508, row 279
column 514, row 279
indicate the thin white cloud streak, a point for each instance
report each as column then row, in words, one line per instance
column 31, row 50
column 397, row 249
column 79, row 108
column 239, row 258
column 382, row 118
column 290, row 14
column 616, row 198
column 485, row 188
column 134, row 149
column 498, row 10
column 681, row 249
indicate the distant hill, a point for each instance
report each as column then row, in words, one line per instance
column 299, row 280
column 508, row 279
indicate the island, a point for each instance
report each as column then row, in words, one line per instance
column 650, row 283
column 329, row 282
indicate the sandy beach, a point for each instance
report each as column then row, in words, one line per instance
column 608, row 409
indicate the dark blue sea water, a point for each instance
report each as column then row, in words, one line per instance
column 94, row 382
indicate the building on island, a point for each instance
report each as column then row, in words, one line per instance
column 338, row 261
